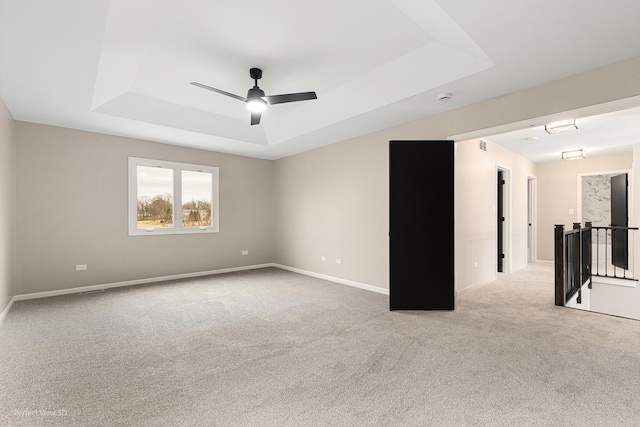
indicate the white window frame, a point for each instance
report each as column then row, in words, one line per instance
column 177, row 168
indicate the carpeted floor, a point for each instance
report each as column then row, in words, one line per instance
column 273, row 348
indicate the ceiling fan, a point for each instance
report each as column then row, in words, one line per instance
column 256, row 99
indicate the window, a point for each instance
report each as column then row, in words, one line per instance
column 172, row 198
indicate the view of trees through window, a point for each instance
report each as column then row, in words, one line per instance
column 172, row 198
column 196, row 213
column 155, row 198
column 196, row 199
column 155, row 212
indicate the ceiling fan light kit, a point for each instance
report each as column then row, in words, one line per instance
column 256, row 105
column 256, row 100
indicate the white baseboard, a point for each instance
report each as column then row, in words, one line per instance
column 6, row 310
column 45, row 294
column 613, row 281
column 364, row 286
column 474, row 287
column 91, row 288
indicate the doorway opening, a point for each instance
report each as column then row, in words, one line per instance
column 503, row 219
column 528, row 139
column 604, row 201
column 531, row 210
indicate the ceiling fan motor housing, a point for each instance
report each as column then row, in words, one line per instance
column 255, row 92
column 255, row 73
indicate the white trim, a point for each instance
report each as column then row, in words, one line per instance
column 359, row 285
column 80, row 289
column 474, row 287
column 177, row 169
column 6, row 310
column 585, row 304
column 613, row 281
column 532, row 185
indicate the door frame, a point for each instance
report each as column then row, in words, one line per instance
column 506, row 237
column 532, row 209
column 609, row 172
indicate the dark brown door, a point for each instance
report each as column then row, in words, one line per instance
column 421, row 233
column 619, row 218
column 501, row 219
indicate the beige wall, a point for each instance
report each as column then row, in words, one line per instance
column 349, row 190
column 558, row 193
column 332, row 201
column 7, row 204
column 476, row 216
column 72, row 209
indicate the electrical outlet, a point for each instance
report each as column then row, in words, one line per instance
column 338, row 261
column 245, row 252
column 475, row 265
column 81, row 267
column 323, row 258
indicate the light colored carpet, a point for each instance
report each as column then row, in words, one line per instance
column 273, row 348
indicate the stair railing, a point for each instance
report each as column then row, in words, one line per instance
column 572, row 255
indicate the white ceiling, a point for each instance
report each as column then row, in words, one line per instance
column 123, row 67
column 599, row 135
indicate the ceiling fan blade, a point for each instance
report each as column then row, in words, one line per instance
column 255, row 117
column 290, row 97
column 222, row 92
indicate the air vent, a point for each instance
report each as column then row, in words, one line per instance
column 483, row 145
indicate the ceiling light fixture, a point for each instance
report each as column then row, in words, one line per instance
column 573, row 155
column 561, row 126
column 256, row 105
column 255, row 102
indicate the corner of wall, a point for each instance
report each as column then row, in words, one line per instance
column 7, row 209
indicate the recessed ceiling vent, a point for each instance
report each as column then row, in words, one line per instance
column 482, row 145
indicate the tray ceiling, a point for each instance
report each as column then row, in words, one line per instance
column 124, row 68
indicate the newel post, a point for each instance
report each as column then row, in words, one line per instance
column 559, row 263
